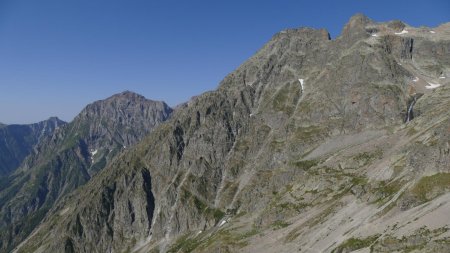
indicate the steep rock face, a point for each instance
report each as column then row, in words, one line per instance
column 67, row 159
column 19, row 140
column 306, row 133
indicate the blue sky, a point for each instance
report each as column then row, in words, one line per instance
column 58, row 56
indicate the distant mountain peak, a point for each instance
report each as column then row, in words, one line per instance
column 127, row 95
column 356, row 23
column 121, row 101
column 54, row 119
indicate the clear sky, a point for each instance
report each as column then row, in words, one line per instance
column 56, row 56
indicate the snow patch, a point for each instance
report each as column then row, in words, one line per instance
column 416, row 79
column 399, row 63
column 432, row 32
column 92, row 154
column 64, row 211
column 442, row 77
column 374, row 35
column 431, row 86
column 251, row 114
column 402, row 32
column 301, row 83
column 222, row 223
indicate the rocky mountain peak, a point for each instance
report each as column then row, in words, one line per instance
column 52, row 121
column 358, row 18
column 124, row 106
column 127, row 113
column 396, row 25
column 355, row 29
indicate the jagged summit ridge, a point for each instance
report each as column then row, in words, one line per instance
column 127, row 95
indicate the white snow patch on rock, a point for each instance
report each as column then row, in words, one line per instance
column 93, row 154
column 432, row 86
column 416, row 79
column 432, row 32
column 374, row 35
column 301, row 83
column 222, row 223
column 402, row 32
column 442, row 77
column 64, row 211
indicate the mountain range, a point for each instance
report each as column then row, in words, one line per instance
column 312, row 145
column 70, row 157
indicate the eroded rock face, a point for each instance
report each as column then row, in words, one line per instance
column 19, row 141
column 235, row 169
column 68, row 158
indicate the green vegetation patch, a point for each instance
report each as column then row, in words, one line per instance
column 366, row 158
column 305, row 164
column 386, row 190
column 430, row 187
column 277, row 144
column 227, row 238
column 309, row 133
column 321, row 217
column 280, row 224
column 184, row 244
column 298, row 207
column 413, row 243
column 353, row 244
column 359, row 180
column 312, row 222
column 285, row 98
column 202, row 207
column 412, row 131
